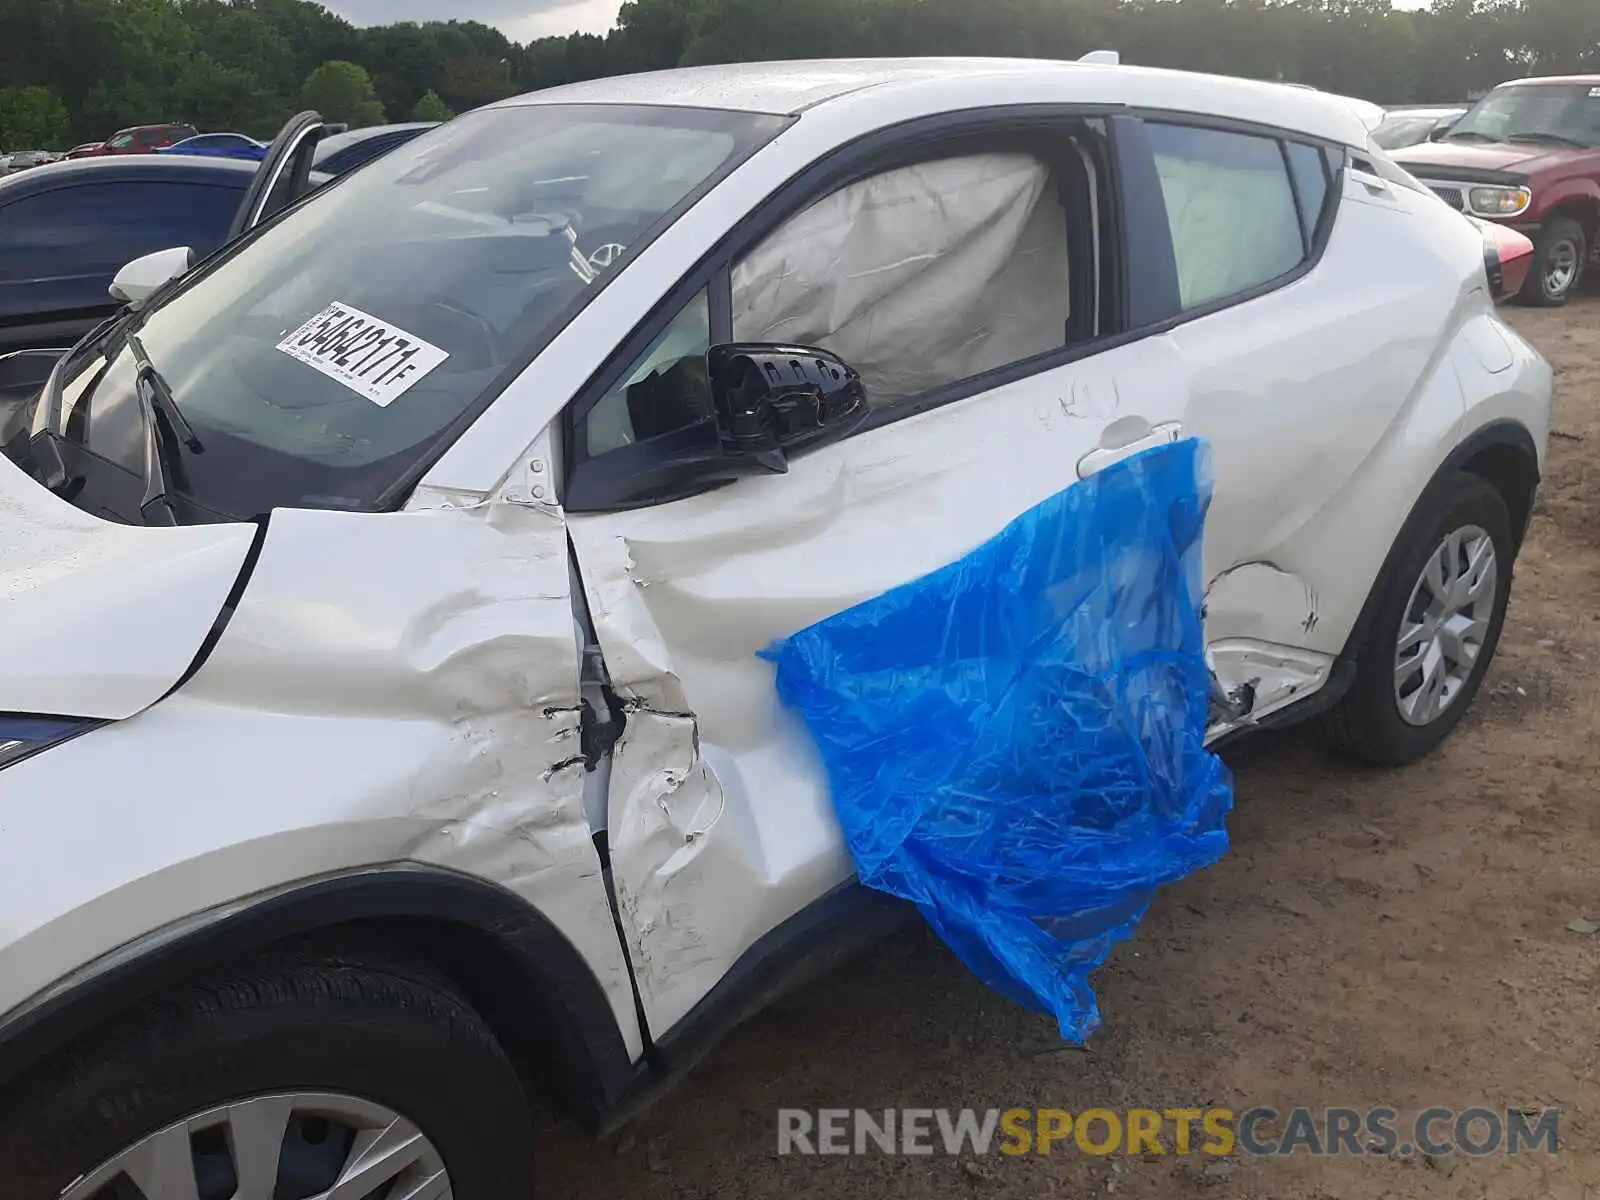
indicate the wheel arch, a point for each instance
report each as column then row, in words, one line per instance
column 1503, row 454
column 525, row 979
column 1583, row 208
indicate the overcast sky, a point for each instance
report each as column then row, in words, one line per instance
column 521, row 20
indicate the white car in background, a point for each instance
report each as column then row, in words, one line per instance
column 388, row 754
column 1403, row 127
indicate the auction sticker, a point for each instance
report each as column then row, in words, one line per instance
column 367, row 354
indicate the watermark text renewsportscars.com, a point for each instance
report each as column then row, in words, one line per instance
column 1259, row 1132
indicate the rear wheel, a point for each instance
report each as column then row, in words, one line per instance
column 1560, row 251
column 1435, row 627
column 315, row 1075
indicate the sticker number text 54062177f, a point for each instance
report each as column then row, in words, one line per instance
column 367, row 354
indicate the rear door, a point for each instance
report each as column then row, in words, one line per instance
column 973, row 282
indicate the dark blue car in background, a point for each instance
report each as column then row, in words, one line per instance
column 220, row 145
column 66, row 229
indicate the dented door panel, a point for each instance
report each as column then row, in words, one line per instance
column 720, row 821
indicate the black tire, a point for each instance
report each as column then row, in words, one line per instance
column 1554, row 235
column 1366, row 723
column 362, row 1021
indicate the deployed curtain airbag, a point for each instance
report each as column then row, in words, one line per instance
column 917, row 277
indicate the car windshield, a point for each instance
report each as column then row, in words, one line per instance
column 1544, row 112
column 324, row 356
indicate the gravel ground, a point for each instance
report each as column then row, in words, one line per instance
column 1372, row 939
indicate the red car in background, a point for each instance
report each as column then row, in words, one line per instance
column 140, row 139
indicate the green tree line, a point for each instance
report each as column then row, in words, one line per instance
column 77, row 70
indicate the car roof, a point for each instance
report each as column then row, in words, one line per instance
column 1543, row 80
column 125, row 168
column 793, row 88
column 227, row 172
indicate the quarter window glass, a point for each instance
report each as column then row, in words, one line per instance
column 1230, row 207
column 1310, row 184
column 665, row 390
column 918, row 277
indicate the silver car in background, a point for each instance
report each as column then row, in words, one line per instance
column 1409, row 126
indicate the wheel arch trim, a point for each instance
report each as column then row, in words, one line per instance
column 565, row 1006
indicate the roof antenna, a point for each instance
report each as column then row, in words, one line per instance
column 1102, row 58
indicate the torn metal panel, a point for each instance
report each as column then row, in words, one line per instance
column 671, row 873
column 442, row 703
column 1267, row 676
column 1249, row 609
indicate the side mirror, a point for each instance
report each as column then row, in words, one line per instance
column 774, row 400
column 740, row 410
column 144, row 275
column 1437, row 133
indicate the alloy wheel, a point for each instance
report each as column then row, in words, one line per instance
column 303, row 1146
column 1561, row 268
column 1445, row 623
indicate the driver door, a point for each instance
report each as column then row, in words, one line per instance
column 963, row 286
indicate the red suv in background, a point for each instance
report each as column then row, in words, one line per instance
column 140, row 139
column 1527, row 155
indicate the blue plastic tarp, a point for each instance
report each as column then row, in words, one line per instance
column 1015, row 742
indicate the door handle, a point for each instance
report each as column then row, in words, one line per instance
column 1375, row 185
column 1134, row 435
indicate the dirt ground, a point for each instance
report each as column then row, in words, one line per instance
column 1372, row 939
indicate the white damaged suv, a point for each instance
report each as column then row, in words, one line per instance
column 385, row 753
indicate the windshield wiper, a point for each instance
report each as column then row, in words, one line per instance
column 163, row 419
column 1548, row 137
column 162, row 394
column 126, row 320
column 1468, row 135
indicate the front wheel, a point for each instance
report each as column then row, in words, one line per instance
column 312, row 1075
column 1560, row 251
column 1435, row 627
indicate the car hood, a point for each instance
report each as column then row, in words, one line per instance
column 1432, row 157
column 98, row 619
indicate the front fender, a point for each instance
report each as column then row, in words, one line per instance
column 1581, row 190
column 197, row 808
